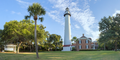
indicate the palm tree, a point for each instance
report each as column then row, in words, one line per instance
column 36, row 10
column 75, row 40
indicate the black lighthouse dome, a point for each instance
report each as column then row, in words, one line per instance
column 67, row 12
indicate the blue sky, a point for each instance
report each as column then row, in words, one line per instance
column 85, row 14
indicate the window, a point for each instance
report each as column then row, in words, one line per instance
column 86, row 46
column 79, row 41
column 86, row 41
column 79, row 46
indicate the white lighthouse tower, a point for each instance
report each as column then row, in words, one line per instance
column 67, row 32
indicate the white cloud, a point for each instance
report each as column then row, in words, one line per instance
column 18, row 13
column 55, row 16
column 13, row 12
column 23, row 3
column 117, row 11
column 6, row 10
column 80, row 13
column 95, row 0
column 76, row 26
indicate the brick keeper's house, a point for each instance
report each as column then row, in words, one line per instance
column 84, row 43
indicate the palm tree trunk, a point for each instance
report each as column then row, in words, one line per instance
column 77, row 46
column 36, row 40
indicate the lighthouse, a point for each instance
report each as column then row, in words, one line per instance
column 67, row 31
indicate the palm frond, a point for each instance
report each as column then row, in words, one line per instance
column 26, row 17
column 41, row 19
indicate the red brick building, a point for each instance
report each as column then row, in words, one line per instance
column 83, row 43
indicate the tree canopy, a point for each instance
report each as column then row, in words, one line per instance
column 36, row 10
column 74, row 39
column 23, row 31
column 110, row 29
column 55, row 41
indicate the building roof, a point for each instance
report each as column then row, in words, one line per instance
column 9, row 45
column 83, row 36
column 95, row 41
column 73, row 44
column 90, row 38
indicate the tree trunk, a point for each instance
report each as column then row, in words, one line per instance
column 30, row 48
column 56, row 47
column 36, row 40
column 115, row 45
column 104, row 46
column 24, row 48
column 77, row 46
column 18, row 46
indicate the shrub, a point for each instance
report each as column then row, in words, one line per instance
column 89, row 50
column 8, row 51
column 41, row 50
column 60, row 49
column 73, row 49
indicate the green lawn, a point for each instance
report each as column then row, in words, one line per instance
column 59, row 55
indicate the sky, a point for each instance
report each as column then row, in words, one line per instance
column 85, row 14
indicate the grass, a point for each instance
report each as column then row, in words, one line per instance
column 60, row 55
